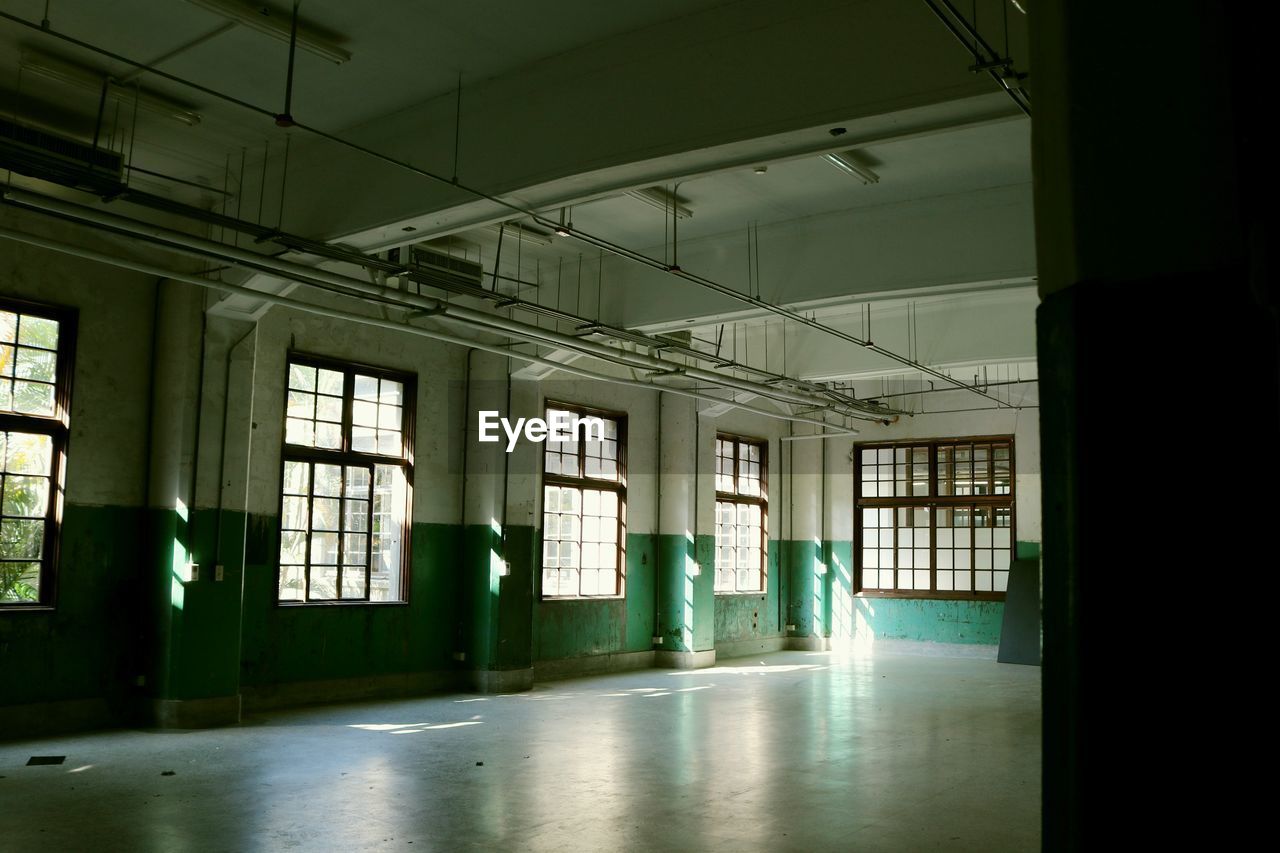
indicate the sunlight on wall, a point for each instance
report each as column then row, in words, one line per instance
column 864, row 637
column 842, row 628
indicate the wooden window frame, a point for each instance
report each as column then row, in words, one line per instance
column 57, row 427
column 618, row 486
column 346, row 457
column 934, row 502
column 736, row 497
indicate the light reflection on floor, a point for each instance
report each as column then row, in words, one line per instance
column 788, row 751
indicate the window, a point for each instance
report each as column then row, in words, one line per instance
column 935, row 518
column 741, row 515
column 35, row 386
column 347, row 483
column 584, row 507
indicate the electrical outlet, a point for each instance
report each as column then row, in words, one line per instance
column 190, row 572
column 791, row 627
column 459, row 655
column 657, row 641
column 505, row 571
column 217, row 572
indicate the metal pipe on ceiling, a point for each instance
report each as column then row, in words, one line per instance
column 444, row 310
column 333, row 313
column 581, row 235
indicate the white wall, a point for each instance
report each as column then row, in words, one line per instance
column 107, row 450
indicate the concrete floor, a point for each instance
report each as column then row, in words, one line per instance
column 789, row 751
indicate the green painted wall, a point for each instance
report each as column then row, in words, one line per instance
column 686, row 596
column 196, row 624
column 288, row 644
column 805, row 598
column 822, row 603
column 86, row 647
column 931, row 620
column 116, row 590
column 750, row 617
column 565, row 629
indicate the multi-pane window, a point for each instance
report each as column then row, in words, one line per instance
column 741, row 515
column 584, row 505
column 35, row 378
column 345, row 495
column 935, row 517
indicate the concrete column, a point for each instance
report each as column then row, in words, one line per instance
column 686, row 579
column 838, row 540
column 805, row 552
column 194, row 669
column 498, row 632
column 1154, row 213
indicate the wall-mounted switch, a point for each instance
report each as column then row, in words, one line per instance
column 217, row 572
column 190, row 572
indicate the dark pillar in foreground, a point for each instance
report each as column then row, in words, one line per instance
column 1159, row 426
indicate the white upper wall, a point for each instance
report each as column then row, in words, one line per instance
column 110, row 394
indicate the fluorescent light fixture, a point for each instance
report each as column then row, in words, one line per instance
column 84, row 78
column 845, row 163
column 523, row 233
column 278, row 25
column 661, row 199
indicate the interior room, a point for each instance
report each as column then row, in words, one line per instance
column 510, row 426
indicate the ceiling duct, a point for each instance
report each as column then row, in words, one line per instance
column 449, row 270
column 58, row 159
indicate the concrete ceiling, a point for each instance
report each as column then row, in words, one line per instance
column 576, row 102
column 403, row 51
column 957, row 161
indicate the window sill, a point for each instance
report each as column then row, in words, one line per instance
column 294, row 605
column 26, row 608
column 551, row 599
column 754, row 592
column 937, row 596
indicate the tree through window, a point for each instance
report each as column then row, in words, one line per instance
column 35, row 388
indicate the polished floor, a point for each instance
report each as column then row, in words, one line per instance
column 789, row 751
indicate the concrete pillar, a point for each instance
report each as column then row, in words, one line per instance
column 838, row 540
column 1153, row 201
column 686, row 580
column 806, row 563
column 498, row 589
column 194, row 669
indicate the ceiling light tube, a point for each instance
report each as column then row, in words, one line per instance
column 278, row 26
column 846, row 164
column 84, row 78
column 523, row 233
column 662, row 200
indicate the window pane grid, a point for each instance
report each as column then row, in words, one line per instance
column 28, row 364
column 739, row 547
column 583, row 509
column 35, row 345
column 344, row 511
column 918, row 534
column 741, row 514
